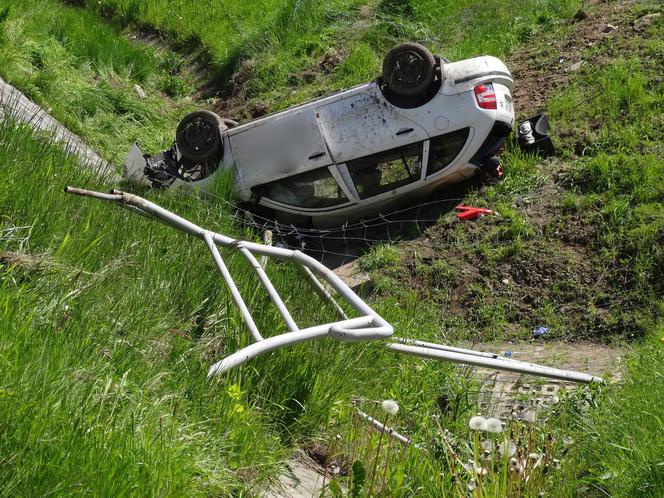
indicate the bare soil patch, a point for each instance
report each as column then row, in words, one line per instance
column 540, row 73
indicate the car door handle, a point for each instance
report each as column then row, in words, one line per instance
column 403, row 131
column 317, row 155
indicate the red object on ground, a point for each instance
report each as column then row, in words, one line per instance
column 498, row 172
column 471, row 213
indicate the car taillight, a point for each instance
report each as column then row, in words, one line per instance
column 486, row 97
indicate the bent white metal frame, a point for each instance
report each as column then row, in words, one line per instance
column 365, row 327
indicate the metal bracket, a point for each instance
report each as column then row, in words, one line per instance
column 368, row 325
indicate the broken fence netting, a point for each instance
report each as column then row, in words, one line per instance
column 368, row 326
column 343, row 242
column 339, row 244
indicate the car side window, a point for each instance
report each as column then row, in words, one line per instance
column 385, row 171
column 311, row 189
column 443, row 149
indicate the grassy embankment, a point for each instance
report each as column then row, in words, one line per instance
column 105, row 342
column 83, row 73
column 278, row 53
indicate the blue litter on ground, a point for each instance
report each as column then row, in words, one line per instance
column 540, row 331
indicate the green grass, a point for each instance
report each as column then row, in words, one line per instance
column 83, row 71
column 105, row 344
column 287, row 51
column 617, row 448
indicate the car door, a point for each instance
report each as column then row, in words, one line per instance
column 364, row 123
column 278, row 146
column 387, row 173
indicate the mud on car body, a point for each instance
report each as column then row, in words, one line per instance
column 426, row 122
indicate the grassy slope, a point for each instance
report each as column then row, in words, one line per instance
column 79, row 69
column 281, row 45
column 105, row 344
column 83, row 69
column 582, row 253
column 104, row 385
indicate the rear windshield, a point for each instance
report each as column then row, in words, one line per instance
column 312, row 189
column 385, row 171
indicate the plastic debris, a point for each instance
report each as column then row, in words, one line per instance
column 471, row 213
column 140, row 92
column 533, row 135
column 540, row 331
column 508, row 354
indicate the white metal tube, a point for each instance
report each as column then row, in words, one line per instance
column 186, row 226
column 370, row 326
column 498, row 364
column 271, row 291
column 382, row 427
column 279, row 341
column 235, row 293
column 442, row 347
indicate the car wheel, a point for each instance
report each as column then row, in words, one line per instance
column 198, row 136
column 409, row 69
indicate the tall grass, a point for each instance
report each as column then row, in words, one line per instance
column 294, row 50
column 105, row 343
column 83, row 71
column 617, row 448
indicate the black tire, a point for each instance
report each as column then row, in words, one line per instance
column 409, row 69
column 198, row 137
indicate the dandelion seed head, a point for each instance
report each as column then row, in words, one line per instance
column 507, row 448
column 494, row 425
column 477, row 423
column 481, row 471
column 391, row 407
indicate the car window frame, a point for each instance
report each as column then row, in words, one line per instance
column 332, row 169
column 469, row 138
column 347, row 178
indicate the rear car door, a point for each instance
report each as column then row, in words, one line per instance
column 365, row 123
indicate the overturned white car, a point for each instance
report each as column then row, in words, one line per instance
column 424, row 123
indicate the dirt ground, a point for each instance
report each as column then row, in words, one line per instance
column 539, row 76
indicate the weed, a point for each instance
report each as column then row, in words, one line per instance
column 381, row 257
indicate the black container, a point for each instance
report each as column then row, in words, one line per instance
column 540, row 128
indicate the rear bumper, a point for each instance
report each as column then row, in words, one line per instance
column 492, row 143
